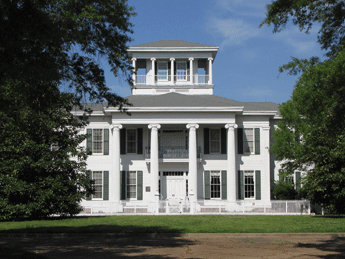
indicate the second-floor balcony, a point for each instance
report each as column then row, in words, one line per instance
column 172, row 152
column 168, row 80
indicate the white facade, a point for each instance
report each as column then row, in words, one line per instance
column 182, row 146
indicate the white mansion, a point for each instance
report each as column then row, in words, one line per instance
column 183, row 149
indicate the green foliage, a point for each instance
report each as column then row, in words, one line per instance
column 283, row 190
column 48, row 45
column 311, row 135
column 305, row 13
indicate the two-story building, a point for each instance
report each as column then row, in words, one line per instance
column 182, row 149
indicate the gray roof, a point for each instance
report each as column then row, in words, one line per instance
column 172, row 44
column 183, row 100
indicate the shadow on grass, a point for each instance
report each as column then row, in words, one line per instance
column 97, row 241
column 335, row 246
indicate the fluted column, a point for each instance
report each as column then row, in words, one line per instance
column 154, row 167
column 192, row 166
column 172, row 60
column 114, row 179
column 134, row 69
column 231, row 157
column 191, row 70
column 210, row 71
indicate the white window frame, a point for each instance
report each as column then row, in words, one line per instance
column 181, row 73
column 245, row 141
column 98, row 184
column 128, row 185
column 215, row 140
column 251, row 174
column 162, row 73
column 216, row 174
column 94, row 151
column 135, row 144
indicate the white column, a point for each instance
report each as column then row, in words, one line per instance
column 192, row 167
column 153, row 70
column 172, row 70
column 114, row 179
column 210, row 71
column 154, row 167
column 191, row 70
column 266, row 173
column 231, row 156
column 133, row 72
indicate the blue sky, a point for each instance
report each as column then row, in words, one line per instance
column 247, row 63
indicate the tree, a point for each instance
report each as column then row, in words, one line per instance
column 48, row 45
column 311, row 135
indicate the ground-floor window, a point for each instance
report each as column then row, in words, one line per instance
column 215, row 184
column 249, row 186
column 97, row 177
column 131, row 185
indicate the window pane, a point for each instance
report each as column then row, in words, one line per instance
column 162, row 70
column 97, row 176
column 249, row 184
column 248, row 142
column 215, row 184
column 97, row 138
column 215, row 140
column 181, row 71
column 131, row 141
column 131, row 184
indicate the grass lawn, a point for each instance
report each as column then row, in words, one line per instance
column 180, row 224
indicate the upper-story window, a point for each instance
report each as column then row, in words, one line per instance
column 131, row 141
column 248, row 140
column 162, row 71
column 181, row 71
column 214, row 141
column 98, row 141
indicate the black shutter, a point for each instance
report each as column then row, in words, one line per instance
column 207, row 185
column 206, row 140
column 257, row 141
column 89, row 141
column 106, row 185
column 89, row 175
column 139, row 185
column 258, row 184
column 240, row 185
column 240, row 140
column 140, row 141
column 123, row 141
column 123, row 185
column 223, row 141
column 224, row 186
column 298, row 181
column 106, row 142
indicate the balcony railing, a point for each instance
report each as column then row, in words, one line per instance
column 171, row 152
column 178, row 79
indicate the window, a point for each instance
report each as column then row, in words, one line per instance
column 162, row 71
column 215, row 184
column 181, row 71
column 97, row 176
column 249, row 185
column 97, row 141
column 131, row 184
column 214, row 141
column 131, row 141
column 248, row 140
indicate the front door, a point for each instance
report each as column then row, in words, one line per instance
column 174, row 185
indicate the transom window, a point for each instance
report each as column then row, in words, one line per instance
column 215, row 184
column 248, row 141
column 249, row 192
column 181, row 71
column 131, row 141
column 97, row 141
column 162, row 72
column 131, row 184
column 215, row 141
column 97, row 176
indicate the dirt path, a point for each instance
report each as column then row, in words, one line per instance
column 108, row 246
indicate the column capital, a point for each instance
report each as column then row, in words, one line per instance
column 153, row 59
column 172, row 59
column 191, row 59
column 154, row 126
column 134, row 59
column 231, row 126
column 210, row 59
column 192, row 126
column 116, row 126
